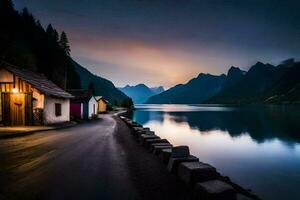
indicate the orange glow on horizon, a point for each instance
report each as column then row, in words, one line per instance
column 161, row 65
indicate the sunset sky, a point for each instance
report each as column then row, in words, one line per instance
column 166, row 42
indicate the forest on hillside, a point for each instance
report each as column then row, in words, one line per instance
column 25, row 43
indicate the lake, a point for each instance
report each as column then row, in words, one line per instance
column 258, row 147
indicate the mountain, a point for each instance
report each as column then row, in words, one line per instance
column 140, row 93
column 251, row 87
column 195, row 91
column 101, row 86
column 157, row 90
column 234, row 75
column 287, row 88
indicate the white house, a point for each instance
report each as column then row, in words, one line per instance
column 83, row 105
column 29, row 98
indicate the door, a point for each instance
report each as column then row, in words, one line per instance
column 17, row 109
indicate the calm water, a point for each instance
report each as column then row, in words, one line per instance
column 258, row 147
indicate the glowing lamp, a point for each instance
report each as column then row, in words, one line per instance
column 14, row 90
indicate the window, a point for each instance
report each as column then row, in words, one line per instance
column 57, row 109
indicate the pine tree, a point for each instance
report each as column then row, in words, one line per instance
column 52, row 33
column 6, row 5
column 64, row 43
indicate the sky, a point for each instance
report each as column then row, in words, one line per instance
column 167, row 42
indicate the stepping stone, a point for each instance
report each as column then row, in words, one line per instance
column 139, row 133
column 158, row 145
column 165, row 155
column 157, row 149
column 138, row 128
column 174, row 162
column 143, row 137
column 148, row 142
column 180, row 151
column 214, row 190
column 193, row 172
column 149, row 132
column 147, row 129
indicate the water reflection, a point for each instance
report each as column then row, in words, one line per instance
column 258, row 147
column 261, row 123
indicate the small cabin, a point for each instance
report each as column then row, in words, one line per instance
column 29, row 98
column 102, row 104
column 83, row 105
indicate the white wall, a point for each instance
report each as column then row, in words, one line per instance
column 49, row 110
column 92, row 102
column 39, row 102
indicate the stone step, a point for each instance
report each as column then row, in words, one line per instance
column 214, row 190
column 165, row 155
column 145, row 132
column 148, row 142
column 159, row 144
column 193, row 172
column 143, row 137
column 180, row 151
column 157, row 149
column 174, row 162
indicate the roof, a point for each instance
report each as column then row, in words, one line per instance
column 38, row 81
column 81, row 95
column 101, row 97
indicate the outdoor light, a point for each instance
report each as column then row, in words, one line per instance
column 15, row 90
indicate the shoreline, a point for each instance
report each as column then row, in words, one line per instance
column 239, row 189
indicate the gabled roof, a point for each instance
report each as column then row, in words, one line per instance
column 81, row 95
column 38, row 81
column 101, row 97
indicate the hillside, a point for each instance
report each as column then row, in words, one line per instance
column 140, row 93
column 26, row 44
column 101, row 86
column 287, row 88
column 263, row 83
column 195, row 91
column 255, row 86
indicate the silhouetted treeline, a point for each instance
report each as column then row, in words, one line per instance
column 25, row 43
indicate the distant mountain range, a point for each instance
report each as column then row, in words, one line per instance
column 263, row 83
column 140, row 93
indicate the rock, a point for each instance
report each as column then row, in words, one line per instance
column 139, row 133
column 143, row 137
column 214, row 190
column 138, row 128
column 149, row 132
column 180, row 151
column 158, row 144
column 165, row 155
column 146, row 129
column 157, row 149
column 148, row 142
column 174, row 162
column 193, row 172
